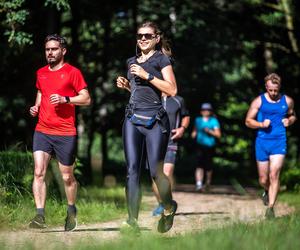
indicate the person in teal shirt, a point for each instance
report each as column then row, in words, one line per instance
column 206, row 130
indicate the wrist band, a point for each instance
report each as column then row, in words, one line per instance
column 67, row 99
column 150, row 77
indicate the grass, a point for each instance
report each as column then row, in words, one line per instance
column 280, row 233
column 94, row 205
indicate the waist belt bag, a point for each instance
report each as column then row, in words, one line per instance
column 141, row 120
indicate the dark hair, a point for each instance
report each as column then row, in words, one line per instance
column 62, row 41
column 163, row 44
column 274, row 78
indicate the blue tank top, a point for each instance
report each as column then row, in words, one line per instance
column 275, row 112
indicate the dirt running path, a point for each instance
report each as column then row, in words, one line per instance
column 196, row 211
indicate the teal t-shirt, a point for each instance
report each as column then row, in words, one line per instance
column 204, row 138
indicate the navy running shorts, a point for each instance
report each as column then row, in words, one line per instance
column 63, row 147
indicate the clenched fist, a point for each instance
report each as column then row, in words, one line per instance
column 34, row 110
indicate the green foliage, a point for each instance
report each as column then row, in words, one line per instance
column 16, row 173
column 94, row 205
column 18, row 37
column 219, row 47
column 60, row 4
column 280, row 233
column 271, row 18
column 15, row 18
column 110, row 201
column 267, row 235
column 291, row 178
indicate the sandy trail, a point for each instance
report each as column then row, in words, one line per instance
column 196, row 211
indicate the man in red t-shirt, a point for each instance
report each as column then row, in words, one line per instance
column 60, row 87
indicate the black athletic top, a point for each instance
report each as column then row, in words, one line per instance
column 145, row 96
column 175, row 107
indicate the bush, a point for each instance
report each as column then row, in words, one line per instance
column 291, row 178
column 16, row 176
column 16, row 173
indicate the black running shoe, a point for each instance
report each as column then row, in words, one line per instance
column 265, row 198
column 166, row 221
column 270, row 213
column 38, row 222
column 71, row 222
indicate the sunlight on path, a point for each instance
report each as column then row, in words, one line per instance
column 196, row 211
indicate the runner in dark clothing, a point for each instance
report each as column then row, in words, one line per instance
column 179, row 120
column 146, row 126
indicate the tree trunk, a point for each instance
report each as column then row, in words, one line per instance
column 269, row 63
column 73, row 55
column 289, row 22
column 104, row 62
column 53, row 21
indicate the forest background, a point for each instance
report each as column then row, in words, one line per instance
column 222, row 51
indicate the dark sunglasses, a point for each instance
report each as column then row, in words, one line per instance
column 147, row 36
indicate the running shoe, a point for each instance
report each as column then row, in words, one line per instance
column 71, row 222
column 38, row 222
column 270, row 213
column 158, row 210
column 130, row 227
column 207, row 188
column 265, row 198
column 198, row 187
column 166, row 221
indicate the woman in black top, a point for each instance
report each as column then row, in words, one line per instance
column 146, row 126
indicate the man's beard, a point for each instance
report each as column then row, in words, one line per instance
column 53, row 61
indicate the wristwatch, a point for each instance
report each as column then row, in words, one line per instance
column 67, row 99
column 150, row 77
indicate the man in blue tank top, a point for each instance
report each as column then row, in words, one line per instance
column 270, row 113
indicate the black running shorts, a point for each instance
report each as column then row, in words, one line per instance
column 63, row 147
column 170, row 156
column 205, row 157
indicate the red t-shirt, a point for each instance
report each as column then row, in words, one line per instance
column 58, row 119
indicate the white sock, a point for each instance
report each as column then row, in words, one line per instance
column 199, row 183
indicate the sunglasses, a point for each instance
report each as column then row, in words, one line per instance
column 147, row 36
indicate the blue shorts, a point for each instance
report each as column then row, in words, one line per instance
column 170, row 156
column 64, row 147
column 266, row 147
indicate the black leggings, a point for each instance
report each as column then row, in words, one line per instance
column 142, row 145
